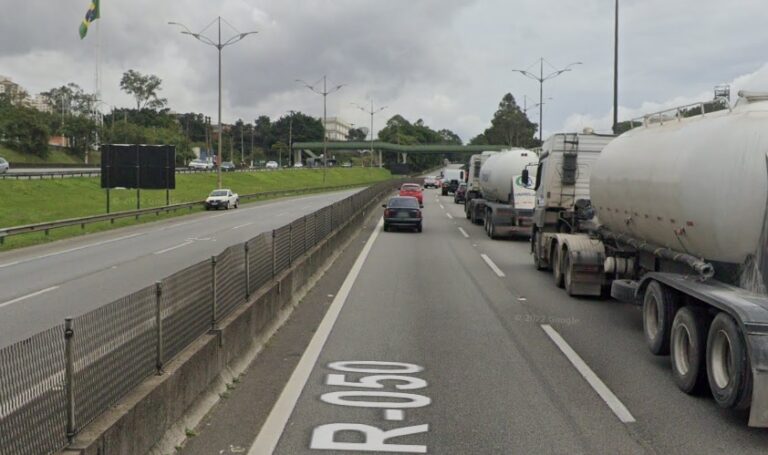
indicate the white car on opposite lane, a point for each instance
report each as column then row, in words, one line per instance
column 222, row 198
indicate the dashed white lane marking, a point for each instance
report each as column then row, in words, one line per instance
column 273, row 428
column 464, row 233
column 599, row 386
column 442, row 206
column 449, row 215
column 70, row 250
column 28, row 296
column 241, row 226
column 181, row 245
column 493, row 266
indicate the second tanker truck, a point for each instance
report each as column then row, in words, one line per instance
column 675, row 219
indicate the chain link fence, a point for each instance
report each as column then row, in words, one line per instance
column 56, row 382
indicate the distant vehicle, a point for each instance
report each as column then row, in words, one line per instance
column 222, row 198
column 451, row 180
column 414, row 190
column 4, row 166
column 402, row 212
column 228, row 166
column 430, row 182
column 298, row 165
column 346, row 164
column 461, row 193
column 200, row 164
column 271, row 165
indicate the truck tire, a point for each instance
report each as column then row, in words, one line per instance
column 728, row 366
column 660, row 304
column 557, row 265
column 688, row 349
column 567, row 273
column 492, row 230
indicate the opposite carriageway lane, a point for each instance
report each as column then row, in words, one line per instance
column 39, row 286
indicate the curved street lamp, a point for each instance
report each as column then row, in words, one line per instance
column 371, row 112
column 325, row 92
column 219, row 45
column 541, row 78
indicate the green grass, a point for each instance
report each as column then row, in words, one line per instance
column 56, row 156
column 37, row 201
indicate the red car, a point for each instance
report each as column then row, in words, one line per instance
column 413, row 190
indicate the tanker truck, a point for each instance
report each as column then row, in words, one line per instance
column 473, row 177
column 505, row 201
column 675, row 219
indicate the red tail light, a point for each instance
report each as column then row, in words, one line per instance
column 418, row 213
column 389, row 213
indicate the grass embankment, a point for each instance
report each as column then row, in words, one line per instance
column 36, row 201
column 55, row 156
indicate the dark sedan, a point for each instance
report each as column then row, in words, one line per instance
column 402, row 212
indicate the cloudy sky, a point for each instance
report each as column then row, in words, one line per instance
column 446, row 61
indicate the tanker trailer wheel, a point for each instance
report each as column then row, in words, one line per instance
column 659, row 306
column 556, row 259
column 688, row 348
column 728, row 368
column 567, row 273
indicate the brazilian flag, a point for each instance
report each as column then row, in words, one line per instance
column 90, row 16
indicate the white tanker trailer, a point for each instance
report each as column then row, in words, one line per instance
column 676, row 219
column 504, row 204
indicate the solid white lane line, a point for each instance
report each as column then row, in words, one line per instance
column 442, row 206
column 599, row 386
column 449, row 215
column 70, row 250
column 464, row 233
column 28, row 296
column 216, row 216
column 181, row 245
column 242, row 226
column 493, row 266
column 273, row 427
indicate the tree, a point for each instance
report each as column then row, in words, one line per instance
column 301, row 128
column 23, row 129
column 356, row 134
column 70, row 99
column 144, row 89
column 510, row 126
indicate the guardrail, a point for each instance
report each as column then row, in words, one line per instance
column 97, row 172
column 56, row 382
column 111, row 217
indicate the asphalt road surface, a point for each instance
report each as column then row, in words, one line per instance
column 447, row 342
column 41, row 285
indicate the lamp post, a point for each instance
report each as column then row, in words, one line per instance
column 219, row 46
column 325, row 92
column 616, row 69
column 541, row 78
column 372, row 112
column 290, row 136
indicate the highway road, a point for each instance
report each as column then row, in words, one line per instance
column 41, row 285
column 447, row 342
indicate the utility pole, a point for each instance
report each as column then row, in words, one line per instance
column 219, row 46
column 541, row 78
column 325, row 92
column 616, row 69
column 290, row 137
column 372, row 112
column 242, row 144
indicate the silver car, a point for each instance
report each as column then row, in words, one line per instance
column 4, row 165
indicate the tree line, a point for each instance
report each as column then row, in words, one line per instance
column 74, row 115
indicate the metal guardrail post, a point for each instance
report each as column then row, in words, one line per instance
column 69, row 376
column 247, row 272
column 159, row 326
column 215, row 291
column 306, row 229
column 274, row 254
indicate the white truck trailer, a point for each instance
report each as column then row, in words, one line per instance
column 504, row 204
column 675, row 220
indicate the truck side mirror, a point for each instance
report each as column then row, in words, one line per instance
column 525, row 177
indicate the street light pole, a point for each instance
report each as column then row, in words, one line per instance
column 325, row 94
column 616, row 70
column 219, row 46
column 372, row 112
column 541, row 78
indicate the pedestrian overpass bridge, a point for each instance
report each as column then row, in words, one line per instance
column 401, row 150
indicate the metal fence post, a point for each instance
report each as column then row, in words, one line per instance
column 215, row 297
column 274, row 254
column 69, row 376
column 247, row 272
column 306, row 229
column 290, row 244
column 159, row 326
